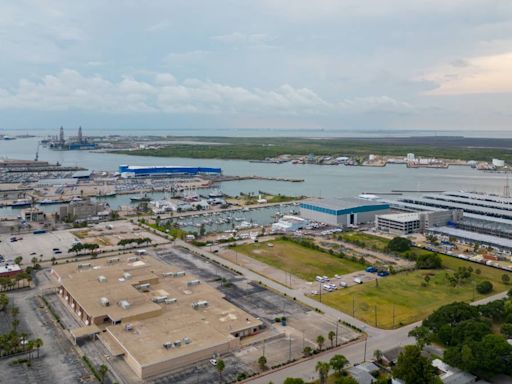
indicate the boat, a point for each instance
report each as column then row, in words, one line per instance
column 76, row 198
column 216, row 193
column 140, row 198
column 106, row 194
column 21, row 203
column 50, row 202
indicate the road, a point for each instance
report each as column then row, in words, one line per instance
column 376, row 338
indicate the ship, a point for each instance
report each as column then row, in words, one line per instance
column 50, row 202
column 106, row 194
column 21, row 203
column 140, row 198
column 216, row 193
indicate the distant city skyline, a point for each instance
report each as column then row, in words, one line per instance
column 351, row 65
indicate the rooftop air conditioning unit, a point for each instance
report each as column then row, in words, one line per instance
column 200, row 304
column 177, row 343
column 105, row 301
column 170, row 301
column 124, row 304
column 84, row 265
column 179, row 274
column 133, row 259
column 144, row 286
column 193, row 282
column 168, row 345
column 128, row 327
column 102, row 279
column 127, row 275
column 186, row 340
column 159, row 299
column 167, row 274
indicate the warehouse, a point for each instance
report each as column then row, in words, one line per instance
column 156, row 317
column 343, row 211
column 134, row 170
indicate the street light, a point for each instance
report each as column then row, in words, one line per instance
column 337, row 323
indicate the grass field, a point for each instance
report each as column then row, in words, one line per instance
column 300, row 261
column 404, row 294
column 370, row 241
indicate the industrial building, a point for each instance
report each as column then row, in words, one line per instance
column 414, row 222
column 154, row 316
column 135, row 170
column 80, row 142
column 343, row 211
column 83, row 210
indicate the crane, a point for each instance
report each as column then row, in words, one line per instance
column 37, row 152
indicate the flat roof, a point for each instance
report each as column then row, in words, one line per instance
column 401, row 217
column 153, row 324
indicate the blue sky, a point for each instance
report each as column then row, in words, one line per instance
column 298, row 64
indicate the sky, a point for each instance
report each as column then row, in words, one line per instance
column 423, row 65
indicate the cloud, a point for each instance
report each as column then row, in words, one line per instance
column 238, row 38
column 70, row 90
column 477, row 75
column 183, row 58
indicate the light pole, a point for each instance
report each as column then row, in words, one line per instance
column 337, row 323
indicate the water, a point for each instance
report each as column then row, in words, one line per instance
column 319, row 180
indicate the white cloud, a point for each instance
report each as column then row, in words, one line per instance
column 477, row 75
column 70, row 90
column 183, row 58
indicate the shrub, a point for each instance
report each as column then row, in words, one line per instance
column 484, row 287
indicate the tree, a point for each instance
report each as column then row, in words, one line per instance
column 331, row 335
column 220, row 368
column 292, row 380
column 413, row 368
column 451, row 314
column 505, row 278
column 338, row 363
column 346, row 380
column 377, row 354
column 320, row 340
column 323, row 371
column 4, row 301
column 262, row 362
column 422, row 335
column 38, row 343
column 399, row 244
column 429, row 261
column 18, row 260
column 484, row 287
column 307, row 351
column 506, row 330
column 102, row 371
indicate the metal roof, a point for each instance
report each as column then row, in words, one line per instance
column 474, row 236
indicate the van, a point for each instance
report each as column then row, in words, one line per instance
column 357, row 280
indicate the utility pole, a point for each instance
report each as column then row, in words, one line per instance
column 375, row 315
column 263, row 347
column 320, row 291
column 337, row 322
column 365, row 342
column 353, row 306
column 290, row 349
column 393, row 316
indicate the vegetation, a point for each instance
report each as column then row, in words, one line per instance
column 262, row 363
column 323, row 371
column 138, row 241
column 468, row 334
column 413, row 368
column 264, row 147
column 399, row 244
column 79, row 247
column 405, row 297
column 484, row 287
column 171, row 229
column 299, row 258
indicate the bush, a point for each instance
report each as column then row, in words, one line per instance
column 399, row 244
column 429, row 261
column 484, row 287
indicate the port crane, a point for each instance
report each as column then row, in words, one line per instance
column 37, row 152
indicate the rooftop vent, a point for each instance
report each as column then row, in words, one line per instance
column 105, row 301
column 186, row 340
column 127, row 275
column 159, row 299
column 168, row 345
column 200, row 304
column 128, row 327
column 102, row 279
column 177, row 343
column 124, row 304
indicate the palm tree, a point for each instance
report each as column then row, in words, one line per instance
column 262, row 362
column 338, row 362
column 38, row 343
column 331, row 335
column 377, row 354
column 220, row 368
column 102, row 371
column 320, row 340
column 323, row 371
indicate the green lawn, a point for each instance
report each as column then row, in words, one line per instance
column 365, row 240
column 405, row 294
column 298, row 260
